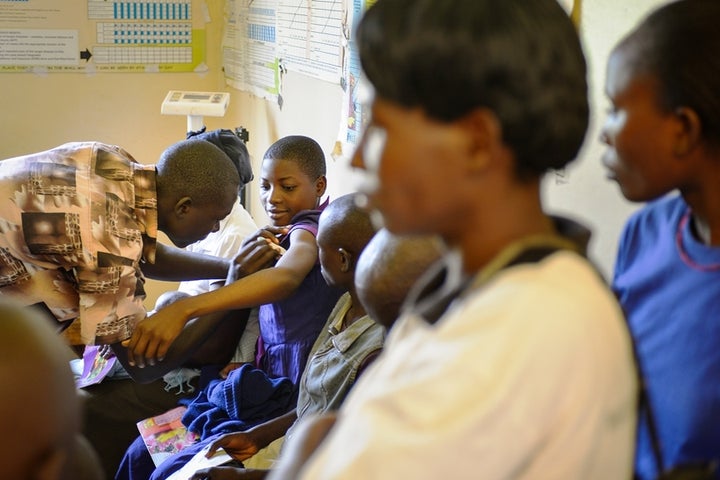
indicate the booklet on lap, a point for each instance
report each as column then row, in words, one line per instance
column 165, row 434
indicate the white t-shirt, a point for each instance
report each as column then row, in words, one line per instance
column 531, row 376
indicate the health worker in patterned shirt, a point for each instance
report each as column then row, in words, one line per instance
column 78, row 230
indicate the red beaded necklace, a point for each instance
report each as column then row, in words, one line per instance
column 713, row 267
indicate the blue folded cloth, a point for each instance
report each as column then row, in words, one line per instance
column 246, row 398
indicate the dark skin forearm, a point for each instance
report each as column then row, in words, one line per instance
column 308, row 435
column 260, row 436
column 251, row 474
column 153, row 336
column 174, row 265
column 268, row 432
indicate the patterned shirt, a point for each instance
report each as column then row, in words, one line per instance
column 75, row 222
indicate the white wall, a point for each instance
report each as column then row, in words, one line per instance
column 42, row 111
column 587, row 195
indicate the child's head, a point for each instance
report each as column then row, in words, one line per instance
column 40, row 409
column 388, row 268
column 663, row 80
column 344, row 230
column 292, row 178
column 471, row 82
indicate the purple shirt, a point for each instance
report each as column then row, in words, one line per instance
column 290, row 327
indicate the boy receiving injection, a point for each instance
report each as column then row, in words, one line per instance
column 293, row 297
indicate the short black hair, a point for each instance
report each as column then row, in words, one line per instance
column 346, row 224
column 302, row 150
column 521, row 59
column 198, row 169
column 389, row 267
column 679, row 45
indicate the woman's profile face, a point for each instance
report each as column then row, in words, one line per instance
column 638, row 134
column 413, row 165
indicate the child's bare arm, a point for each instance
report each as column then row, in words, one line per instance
column 153, row 336
column 265, row 286
column 308, row 436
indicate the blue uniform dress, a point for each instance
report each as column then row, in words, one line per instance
column 288, row 330
column 289, row 327
column 669, row 286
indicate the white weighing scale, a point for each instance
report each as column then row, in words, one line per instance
column 195, row 105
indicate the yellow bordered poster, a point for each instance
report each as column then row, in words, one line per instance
column 102, row 36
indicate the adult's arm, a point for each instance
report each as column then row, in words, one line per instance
column 175, row 264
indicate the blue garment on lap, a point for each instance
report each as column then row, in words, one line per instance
column 136, row 464
column 247, row 397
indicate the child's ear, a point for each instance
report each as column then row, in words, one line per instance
column 690, row 131
column 320, row 186
column 346, row 260
column 182, row 206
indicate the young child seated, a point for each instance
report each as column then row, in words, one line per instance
column 39, row 411
column 389, row 266
column 386, row 269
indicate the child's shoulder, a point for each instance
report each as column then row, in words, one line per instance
column 305, row 220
